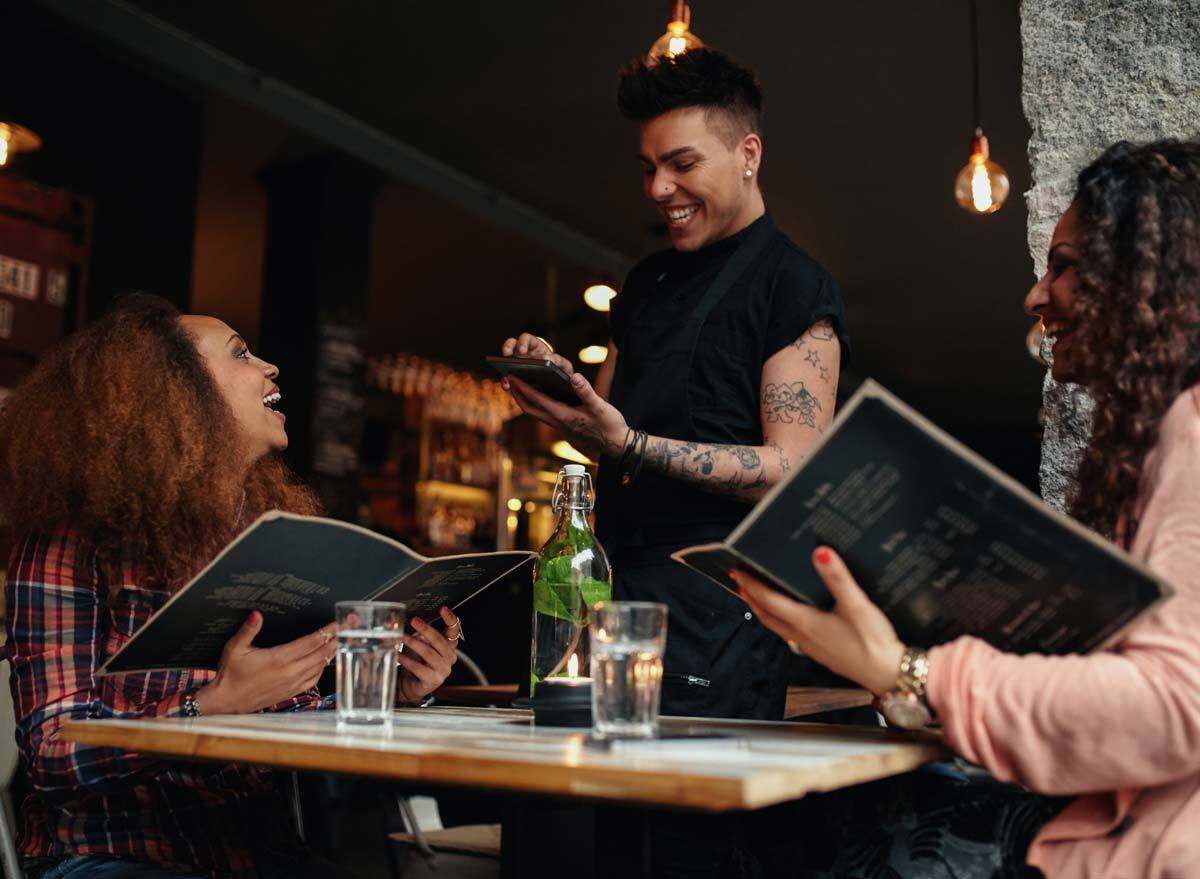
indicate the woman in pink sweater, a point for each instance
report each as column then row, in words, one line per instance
column 1113, row 737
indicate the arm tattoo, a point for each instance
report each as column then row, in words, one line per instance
column 720, row 469
column 784, row 464
column 822, row 331
column 790, row 404
column 813, row 357
column 824, row 374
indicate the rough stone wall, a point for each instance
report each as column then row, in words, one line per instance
column 1096, row 71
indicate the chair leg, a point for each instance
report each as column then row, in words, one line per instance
column 8, row 848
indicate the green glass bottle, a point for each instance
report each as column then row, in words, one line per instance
column 572, row 574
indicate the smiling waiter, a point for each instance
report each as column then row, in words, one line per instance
column 721, row 375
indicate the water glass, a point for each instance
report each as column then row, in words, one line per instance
column 628, row 638
column 369, row 635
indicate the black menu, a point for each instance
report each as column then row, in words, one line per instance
column 294, row 569
column 941, row 540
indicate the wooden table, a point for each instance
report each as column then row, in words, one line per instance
column 801, row 701
column 756, row 764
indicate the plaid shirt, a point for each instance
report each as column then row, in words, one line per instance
column 187, row 817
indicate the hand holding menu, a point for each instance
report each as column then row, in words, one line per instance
column 294, row 569
column 941, row 540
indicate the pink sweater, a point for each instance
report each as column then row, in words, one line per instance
column 1120, row 729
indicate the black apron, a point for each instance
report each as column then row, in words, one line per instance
column 711, row 637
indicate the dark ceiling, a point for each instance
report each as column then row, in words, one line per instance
column 868, row 120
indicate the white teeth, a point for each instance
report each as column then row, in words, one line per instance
column 272, row 399
column 679, row 215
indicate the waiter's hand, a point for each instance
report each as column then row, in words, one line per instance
column 594, row 427
column 529, row 345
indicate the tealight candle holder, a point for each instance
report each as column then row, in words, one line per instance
column 561, row 701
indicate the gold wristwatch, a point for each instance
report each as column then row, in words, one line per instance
column 904, row 705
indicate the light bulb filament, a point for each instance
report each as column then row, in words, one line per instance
column 4, row 135
column 981, row 186
column 676, row 46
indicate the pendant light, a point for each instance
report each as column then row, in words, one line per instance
column 16, row 139
column 982, row 185
column 679, row 37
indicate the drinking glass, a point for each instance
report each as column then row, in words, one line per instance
column 628, row 638
column 369, row 635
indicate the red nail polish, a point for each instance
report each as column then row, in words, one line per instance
column 823, row 556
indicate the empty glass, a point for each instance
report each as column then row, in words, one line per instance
column 628, row 638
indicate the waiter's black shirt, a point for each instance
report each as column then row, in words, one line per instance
column 774, row 302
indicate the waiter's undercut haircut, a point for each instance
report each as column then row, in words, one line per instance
column 729, row 94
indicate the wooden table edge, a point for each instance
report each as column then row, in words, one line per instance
column 707, row 793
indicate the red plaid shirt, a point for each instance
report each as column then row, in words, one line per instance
column 187, row 817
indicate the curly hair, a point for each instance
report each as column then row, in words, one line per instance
column 121, row 432
column 697, row 78
column 1137, row 314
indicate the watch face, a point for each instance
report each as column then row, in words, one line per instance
column 906, row 711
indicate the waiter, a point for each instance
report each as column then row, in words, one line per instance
column 721, row 375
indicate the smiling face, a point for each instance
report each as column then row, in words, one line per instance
column 246, row 383
column 697, row 180
column 1053, row 296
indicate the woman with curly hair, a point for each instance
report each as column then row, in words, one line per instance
column 130, row 456
column 1108, row 745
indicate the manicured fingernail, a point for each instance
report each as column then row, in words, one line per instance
column 823, row 556
column 418, row 623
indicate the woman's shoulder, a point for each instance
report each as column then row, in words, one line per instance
column 1181, row 424
column 64, row 549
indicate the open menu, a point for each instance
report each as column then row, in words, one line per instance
column 941, row 540
column 294, row 569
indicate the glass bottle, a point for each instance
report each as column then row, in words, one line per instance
column 571, row 575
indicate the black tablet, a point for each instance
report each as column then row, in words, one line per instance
column 539, row 373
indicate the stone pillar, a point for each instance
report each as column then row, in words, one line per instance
column 1095, row 72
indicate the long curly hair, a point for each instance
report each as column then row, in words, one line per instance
column 1137, row 314
column 121, row 433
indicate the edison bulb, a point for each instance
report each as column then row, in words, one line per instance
column 3, row 145
column 981, row 186
column 677, row 40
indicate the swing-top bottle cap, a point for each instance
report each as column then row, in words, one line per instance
column 574, row 470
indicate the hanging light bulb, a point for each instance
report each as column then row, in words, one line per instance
column 678, row 38
column 599, row 296
column 593, row 354
column 16, row 139
column 981, row 186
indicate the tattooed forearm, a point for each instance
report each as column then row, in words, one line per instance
column 738, row 471
column 824, row 375
column 813, row 357
column 790, row 404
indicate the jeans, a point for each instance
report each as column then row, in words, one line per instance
column 90, row 867
column 94, row 867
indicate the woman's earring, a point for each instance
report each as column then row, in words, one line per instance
column 749, row 173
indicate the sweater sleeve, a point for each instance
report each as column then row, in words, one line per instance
column 1125, row 717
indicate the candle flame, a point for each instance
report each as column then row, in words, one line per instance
column 573, row 666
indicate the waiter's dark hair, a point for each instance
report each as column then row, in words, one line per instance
column 730, row 94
